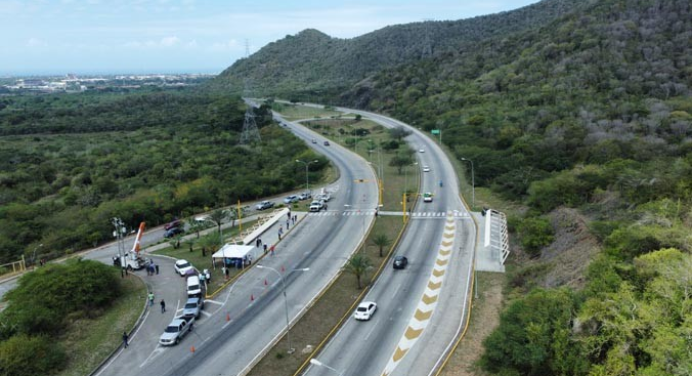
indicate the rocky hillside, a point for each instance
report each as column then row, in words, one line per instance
column 314, row 61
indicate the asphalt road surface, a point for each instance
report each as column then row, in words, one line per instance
column 420, row 308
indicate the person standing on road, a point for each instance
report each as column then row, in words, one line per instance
column 157, row 268
column 125, row 338
column 151, row 298
column 163, row 306
column 265, row 249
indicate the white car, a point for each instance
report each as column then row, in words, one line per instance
column 427, row 197
column 426, row 169
column 421, row 150
column 365, row 311
column 182, row 267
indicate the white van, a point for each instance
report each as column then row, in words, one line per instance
column 194, row 287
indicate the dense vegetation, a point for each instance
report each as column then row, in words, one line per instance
column 71, row 162
column 312, row 64
column 587, row 109
column 41, row 307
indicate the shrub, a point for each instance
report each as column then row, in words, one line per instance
column 535, row 233
column 25, row 355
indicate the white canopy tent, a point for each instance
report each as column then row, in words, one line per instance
column 233, row 251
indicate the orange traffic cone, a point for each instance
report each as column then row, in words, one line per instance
column 228, row 317
column 265, row 282
column 252, row 297
column 192, row 349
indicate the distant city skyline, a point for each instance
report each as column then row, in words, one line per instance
column 51, row 37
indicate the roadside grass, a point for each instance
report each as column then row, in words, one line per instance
column 88, row 342
column 295, row 112
column 204, row 262
column 485, row 316
column 335, row 304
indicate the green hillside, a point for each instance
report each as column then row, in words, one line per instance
column 311, row 61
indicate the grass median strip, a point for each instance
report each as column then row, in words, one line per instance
column 321, row 318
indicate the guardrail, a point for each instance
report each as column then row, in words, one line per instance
column 496, row 234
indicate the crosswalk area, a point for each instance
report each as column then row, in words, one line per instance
column 413, row 215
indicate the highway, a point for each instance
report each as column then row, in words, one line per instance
column 420, row 308
column 321, row 243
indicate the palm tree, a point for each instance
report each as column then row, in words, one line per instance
column 211, row 242
column 358, row 265
column 381, row 240
column 218, row 216
column 190, row 242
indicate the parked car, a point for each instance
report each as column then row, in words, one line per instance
column 264, row 205
column 427, row 197
column 173, row 224
column 326, row 143
column 173, row 232
column 193, row 307
column 365, row 311
column 291, row 199
column 324, row 197
column 400, row 262
column 176, row 330
column 182, row 267
column 304, row 196
column 314, row 141
column 194, row 286
column 426, row 169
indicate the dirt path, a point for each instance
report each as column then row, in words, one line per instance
column 484, row 318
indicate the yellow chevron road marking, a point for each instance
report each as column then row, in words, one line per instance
column 434, row 286
column 429, row 299
column 438, row 273
column 448, row 235
column 413, row 333
column 441, row 262
column 422, row 316
column 445, row 253
column 447, row 244
column 399, row 353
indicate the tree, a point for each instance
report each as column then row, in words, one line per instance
column 211, row 242
column 400, row 161
column 24, row 355
column 381, row 240
column 218, row 216
column 358, row 265
column 399, row 133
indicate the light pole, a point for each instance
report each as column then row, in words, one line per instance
column 406, row 176
column 288, row 326
column 316, row 362
column 307, row 165
column 473, row 182
column 380, row 186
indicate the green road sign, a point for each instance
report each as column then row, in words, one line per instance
column 435, row 131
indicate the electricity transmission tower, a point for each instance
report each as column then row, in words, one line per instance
column 250, row 133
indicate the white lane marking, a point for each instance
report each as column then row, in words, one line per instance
column 156, row 351
column 205, row 313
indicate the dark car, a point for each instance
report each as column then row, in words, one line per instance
column 174, row 224
column 326, row 143
column 173, row 232
column 400, row 262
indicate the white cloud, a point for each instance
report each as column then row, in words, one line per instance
column 35, row 42
column 169, row 41
column 225, row 46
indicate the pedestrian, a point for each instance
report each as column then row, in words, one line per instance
column 226, row 272
column 289, row 214
column 257, row 242
column 265, row 249
column 293, row 219
column 163, row 306
column 157, row 268
column 272, row 250
column 288, row 224
column 125, row 338
column 151, row 298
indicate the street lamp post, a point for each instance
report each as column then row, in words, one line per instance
column 288, row 326
column 307, row 165
column 316, row 362
column 406, row 176
column 473, row 181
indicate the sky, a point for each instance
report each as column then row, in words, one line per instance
column 41, row 37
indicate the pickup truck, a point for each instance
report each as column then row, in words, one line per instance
column 316, row 206
column 176, row 330
column 264, row 205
